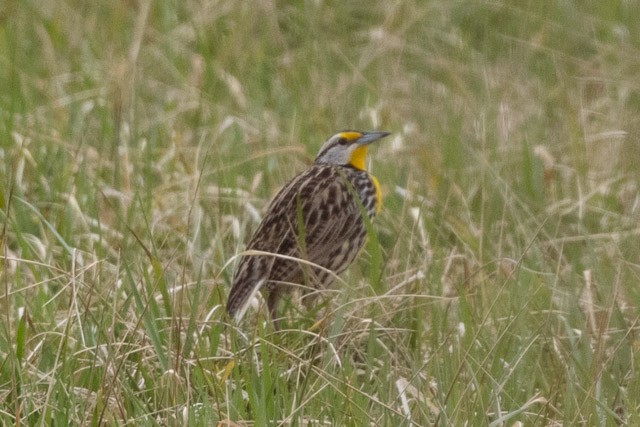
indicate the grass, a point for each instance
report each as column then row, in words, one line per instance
column 141, row 141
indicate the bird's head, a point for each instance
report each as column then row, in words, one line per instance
column 348, row 148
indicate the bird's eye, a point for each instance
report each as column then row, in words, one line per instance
column 343, row 141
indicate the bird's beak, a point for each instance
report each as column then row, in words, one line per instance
column 369, row 137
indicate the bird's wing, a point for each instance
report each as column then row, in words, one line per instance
column 323, row 226
column 333, row 240
column 275, row 234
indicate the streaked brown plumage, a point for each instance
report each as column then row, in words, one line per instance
column 316, row 217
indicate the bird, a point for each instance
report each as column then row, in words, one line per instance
column 313, row 228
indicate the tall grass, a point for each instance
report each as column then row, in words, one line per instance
column 141, row 141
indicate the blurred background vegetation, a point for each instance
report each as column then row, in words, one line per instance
column 140, row 142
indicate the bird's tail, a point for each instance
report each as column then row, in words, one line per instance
column 240, row 298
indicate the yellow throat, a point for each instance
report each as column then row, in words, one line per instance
column 358, row 157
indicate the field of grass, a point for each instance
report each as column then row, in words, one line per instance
column 141, row 141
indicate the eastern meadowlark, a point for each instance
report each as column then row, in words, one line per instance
column 313, row 228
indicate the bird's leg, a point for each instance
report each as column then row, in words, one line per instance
column 272, row 305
